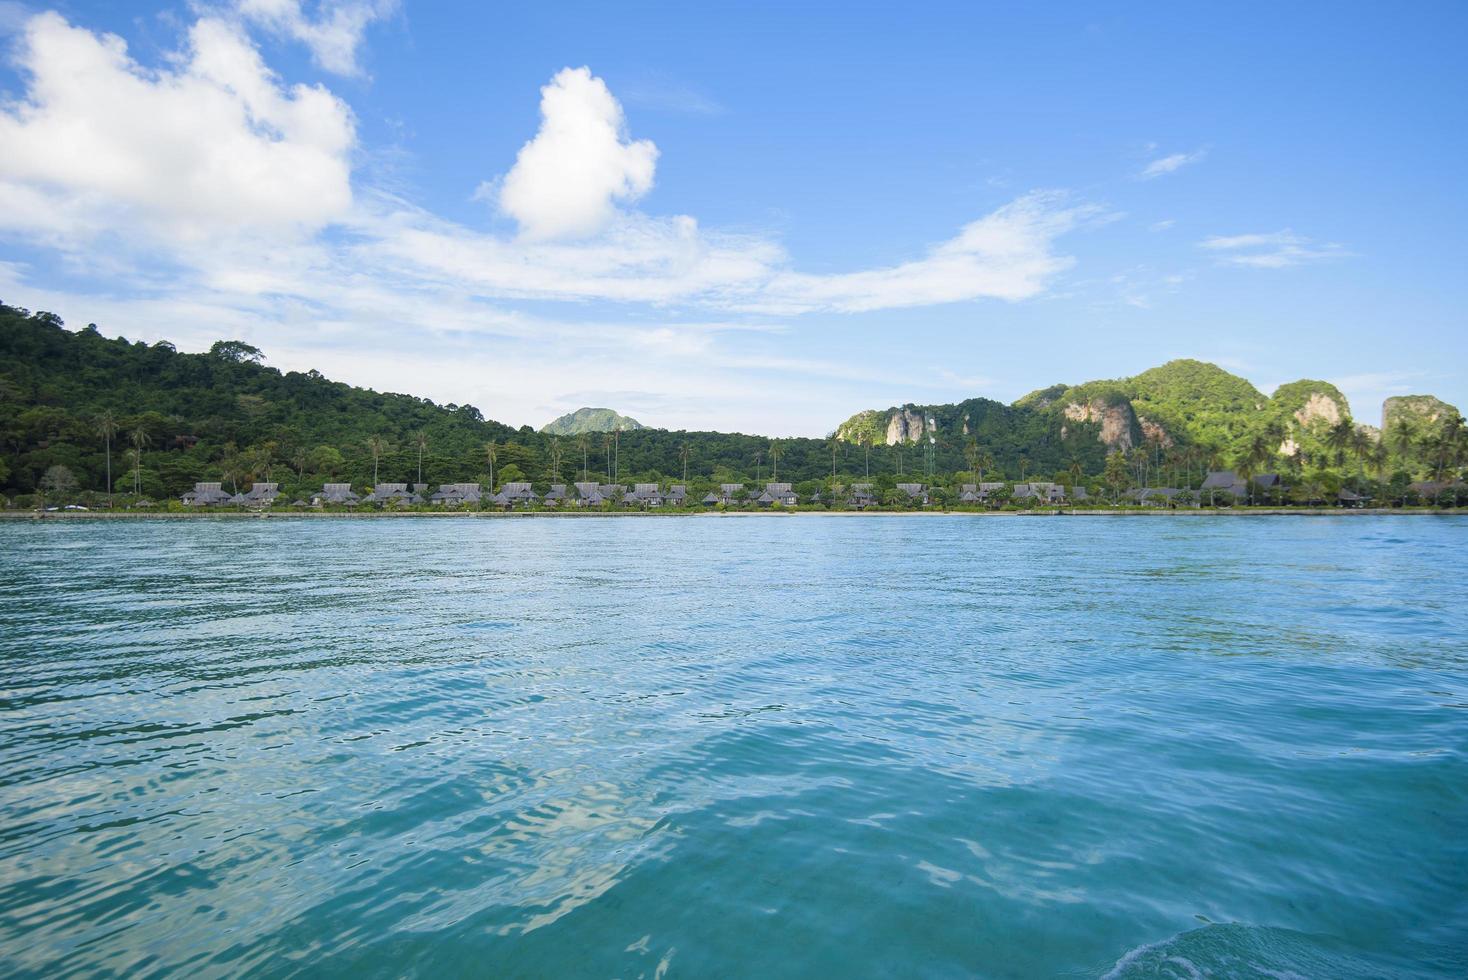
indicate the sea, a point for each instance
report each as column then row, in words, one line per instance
column 718, row 746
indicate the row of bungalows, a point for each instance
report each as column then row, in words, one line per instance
column 1049, row 493
column 214, row 495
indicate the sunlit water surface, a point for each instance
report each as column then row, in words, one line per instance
column 773, row 746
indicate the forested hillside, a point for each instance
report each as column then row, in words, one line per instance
column 74, row 402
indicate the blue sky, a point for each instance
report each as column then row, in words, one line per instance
column 760, row 217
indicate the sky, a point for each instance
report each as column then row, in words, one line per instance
column 757, row 217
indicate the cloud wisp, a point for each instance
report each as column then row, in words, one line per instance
column 1171, row 164
column 1271, row 250
column 333, row 35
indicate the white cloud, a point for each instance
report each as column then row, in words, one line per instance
column 1170, row 164
column 333, row 35
column 566, row 180
column 100, row 142
column 1008, row 254
column 208, row 198
column 1272, row 250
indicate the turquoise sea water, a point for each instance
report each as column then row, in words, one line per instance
column 771, row 746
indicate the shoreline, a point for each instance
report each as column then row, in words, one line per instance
column 122, row 515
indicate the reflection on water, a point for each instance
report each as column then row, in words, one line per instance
column 832, row 746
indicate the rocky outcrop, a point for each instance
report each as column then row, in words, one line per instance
column 1320, row 407
column 1115, row 418
column 1154, row 432
column 1421, row 409
column 904, row 425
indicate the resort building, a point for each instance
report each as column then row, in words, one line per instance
column 391, row 493
column 861, row 496
column 677, row 495
column 515, row 493
column 335, row 494
column 777, row 493
column 589, row 495
column 260, row 495
column 206, row 495
column 644, row 495
column 728, row 494
column 1155, row 496
column 916, row 492
column 458, row 494
column 555, row 496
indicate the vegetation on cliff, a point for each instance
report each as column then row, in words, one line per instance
column 585, row 420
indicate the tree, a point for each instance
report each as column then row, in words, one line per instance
column 1403, row 435
column 555, row 457
column 491, row 454
column 140, row 439
column 377, row 446
column 236, row 352
column 420, row 440
column 107, row 429
column 1340, row 438
column 1116, row 474
column 775, row 459
column 58, row 482
column 683, row 452
column 583, row 444
column 606, row 445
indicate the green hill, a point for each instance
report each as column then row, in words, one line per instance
column 590, row 420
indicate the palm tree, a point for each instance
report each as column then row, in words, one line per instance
column 606, row 445
column 683, row 453
column 866, row 440
column 134, row 460
column 835, row 445
column 775, row 458
column 1077, row 472
column 1024, row 463
column 1339, row 438
column 1403, row 435
column 1257, row 455
column 583, row 444
column 140, row 439
column 299, row 460
column 616, row 454
column 421, row 441
column 107, row 429
column 491, row 454
column 757, row 457
column 377, row 446
column 555, row 455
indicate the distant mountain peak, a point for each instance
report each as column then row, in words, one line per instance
column 590, row 420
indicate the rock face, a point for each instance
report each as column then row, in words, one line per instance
column 1116, row 418
column 905, row 425
column 1322, row 407
column 1154, row 432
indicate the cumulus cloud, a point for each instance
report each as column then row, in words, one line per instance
column 333, row 35
column 1271, row 250
column 216, row 144
column 566, row 181
column 1170, row 164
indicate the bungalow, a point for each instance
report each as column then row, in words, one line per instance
column 1049, row 492
column 1432, row 490
column 644, row 495
column 861, row 496
column 1155, row 496
column 777, row 493
column 1225, row 481
column 969, row 493
column 916, row 492
column 335, row 494
column 391, row 493
column 515, row 493
column 1348, row 498
column 728, row 494
column 677, row 495
column 206, row 495
column 260, row 495
column 456, row 494
column 556, row 495
column 589, row 495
